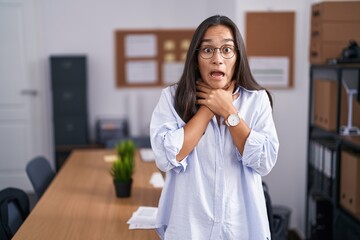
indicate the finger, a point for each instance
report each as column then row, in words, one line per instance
column 200, row 102
column 203, row 89
column 201, row 95
column 235, row 96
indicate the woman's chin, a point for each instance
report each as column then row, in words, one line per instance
column 218, row 84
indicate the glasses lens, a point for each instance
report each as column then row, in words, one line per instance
column 206, row 52
column 225, row 51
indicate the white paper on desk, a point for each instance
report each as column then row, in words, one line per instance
column 143, row 217
column 147, row 154
column 157, row 180
column 110, row 158
column 141, row 226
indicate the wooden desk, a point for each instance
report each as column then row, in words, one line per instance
column 81, row 204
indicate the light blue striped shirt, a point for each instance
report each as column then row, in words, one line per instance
column 215, row 192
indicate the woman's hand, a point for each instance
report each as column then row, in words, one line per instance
column 219, row 101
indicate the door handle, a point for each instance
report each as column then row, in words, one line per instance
column 29, row 92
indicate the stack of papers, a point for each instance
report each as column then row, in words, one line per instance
column 143, row 218
column 147, row 154
column 157, row 180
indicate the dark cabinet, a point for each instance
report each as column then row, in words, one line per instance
column 69, row 98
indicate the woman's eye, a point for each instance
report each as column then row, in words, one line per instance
column 227, row 50
column 207, row 50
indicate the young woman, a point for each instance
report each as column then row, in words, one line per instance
column 214, row 135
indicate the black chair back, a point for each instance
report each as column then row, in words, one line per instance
column 268, row 206
column 279, row 217
column 14, row 209
column 40, row 174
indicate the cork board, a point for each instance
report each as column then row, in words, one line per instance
column 270, row 47
column 147, row 58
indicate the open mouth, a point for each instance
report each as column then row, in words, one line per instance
column 217, row 74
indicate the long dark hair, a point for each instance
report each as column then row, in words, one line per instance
column 185, row 95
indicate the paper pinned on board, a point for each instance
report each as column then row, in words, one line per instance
column 138, row 72
column 270, row 71
column 141, row 45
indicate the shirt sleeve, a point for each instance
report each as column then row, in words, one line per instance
column 167, row 134
column 262, row 145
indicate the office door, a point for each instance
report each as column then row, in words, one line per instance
column 18, row 92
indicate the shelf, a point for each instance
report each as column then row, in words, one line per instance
column 332, row 139
column 349, row 216
column 352, row 142
column 346, row 226
column 346, row 66
column 325, row 152
column 325, row 138
column 318, row 132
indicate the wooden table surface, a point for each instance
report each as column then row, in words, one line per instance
column 80, row 203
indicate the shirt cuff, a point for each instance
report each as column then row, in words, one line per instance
column 173, row 143
column 253, row 150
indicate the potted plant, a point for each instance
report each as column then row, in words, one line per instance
column 122, row 168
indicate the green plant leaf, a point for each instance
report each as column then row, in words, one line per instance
column 123, row 168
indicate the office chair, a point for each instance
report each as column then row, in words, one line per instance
column 40, row 174
column 279, row 217
column 140, row 142
column 14, row 209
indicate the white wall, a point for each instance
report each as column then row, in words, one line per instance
column 87, row 27
column 287, row 181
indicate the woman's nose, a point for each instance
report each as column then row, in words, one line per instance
column 217, row 58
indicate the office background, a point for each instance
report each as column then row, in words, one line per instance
column 87, row 27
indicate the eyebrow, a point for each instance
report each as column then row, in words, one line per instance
column 224, row 40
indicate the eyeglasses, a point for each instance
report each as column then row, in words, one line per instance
column 226, row 51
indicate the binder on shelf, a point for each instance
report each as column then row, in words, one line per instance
column 350, row 183
column 325, row 104
column 323, row 168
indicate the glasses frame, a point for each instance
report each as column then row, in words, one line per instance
column 214, row 50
